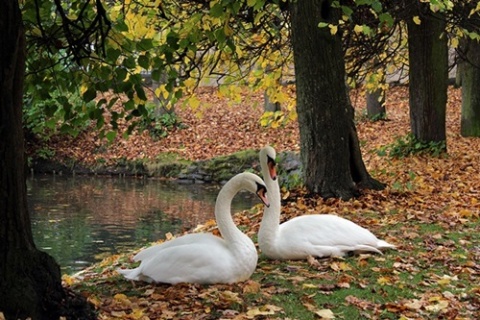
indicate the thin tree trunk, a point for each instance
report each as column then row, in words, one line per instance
column 376, row 99
column 470, row 119
column 332, row 162
column 268, row 105
column 376, row 105
column 30, row 284
column 428, row 60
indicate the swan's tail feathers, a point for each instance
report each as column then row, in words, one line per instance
column 385, row 245
column 131, row 274
column 366, row 248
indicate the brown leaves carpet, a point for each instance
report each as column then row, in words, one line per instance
column 423, row 190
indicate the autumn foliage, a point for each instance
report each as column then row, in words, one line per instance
column 430, row 210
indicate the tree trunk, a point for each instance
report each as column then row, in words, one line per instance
column 470, row 120
column 30, row 284
column 332, row 161
column 376, row 99
column 428, row 60
column 268, row 105
column 376, row 105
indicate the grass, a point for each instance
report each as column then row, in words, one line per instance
column 432, row 275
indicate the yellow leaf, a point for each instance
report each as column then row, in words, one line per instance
column 262, row 311
column 344, row 266
column 322, row 313
column 228, row 31
column 454, row 43
column 384, row 280
column 120, row 296
column 193, row 102
column 309, row 286
column 417, row 20
column 333, row 29
column 68, row 280
column 441, row 305
column 95, row 301
column 358, row 28
column 136, row 314
column 325, row 314
column 251, row 287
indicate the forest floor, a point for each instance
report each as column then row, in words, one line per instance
column 430, row 210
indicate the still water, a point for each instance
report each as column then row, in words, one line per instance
column 81, row 220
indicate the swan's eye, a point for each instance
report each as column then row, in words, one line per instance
column 271, row 161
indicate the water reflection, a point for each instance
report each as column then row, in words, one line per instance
column 81, row 220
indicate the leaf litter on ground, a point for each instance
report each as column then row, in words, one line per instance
column 430, row 210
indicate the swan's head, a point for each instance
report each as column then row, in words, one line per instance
column 254, row 184
column 267, row 161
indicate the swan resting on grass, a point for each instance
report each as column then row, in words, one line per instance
column 203, row 257
column 317, row 235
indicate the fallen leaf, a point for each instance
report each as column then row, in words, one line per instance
column 262, row 311
column 251, row 286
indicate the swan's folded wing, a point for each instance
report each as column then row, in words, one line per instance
column 193, row 263
column 150, row 252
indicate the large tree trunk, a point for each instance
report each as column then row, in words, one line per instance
column 428, row 60
column 470, row 121
column 332, row 161
column 30, row 284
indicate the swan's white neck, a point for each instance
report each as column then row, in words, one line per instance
column 223, row 215
column 270, row 225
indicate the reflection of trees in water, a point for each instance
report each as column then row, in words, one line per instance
column 125, row 201
column 81, row 220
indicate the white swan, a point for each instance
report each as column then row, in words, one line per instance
column 203, row 257
column 318, row 235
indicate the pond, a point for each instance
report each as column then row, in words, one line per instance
column 81, row 220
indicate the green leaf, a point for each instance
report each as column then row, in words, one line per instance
column 386, row 18
column 89, row 95
column 145, row 44
column 216, row 11
column 220, row 35
column 121, row 74
column 121, row 26
column 172, row 40
column 113, row 54
column 377, row 6
column 111, row 136
column 144, row 62
column 156, row 74
column 129, row 63
column 140, row 92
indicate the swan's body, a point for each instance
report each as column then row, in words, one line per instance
column 203, row 257
column 318, row 235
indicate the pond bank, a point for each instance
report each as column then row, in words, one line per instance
column 215, row 170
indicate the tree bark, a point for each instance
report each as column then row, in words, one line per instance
column 470, row 119
column 428, row 60
column 30, row 283
column 332, row 161
column 376, row 105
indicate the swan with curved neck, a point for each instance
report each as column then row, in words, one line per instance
column 203, row 257
column 318, row 235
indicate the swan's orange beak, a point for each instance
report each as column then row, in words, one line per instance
column 272, row 169
column 262, row 194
